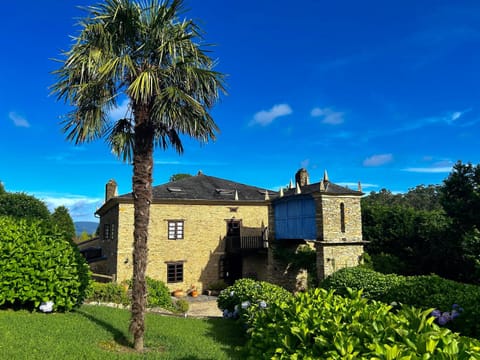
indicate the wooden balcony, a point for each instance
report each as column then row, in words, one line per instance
column 236, row 244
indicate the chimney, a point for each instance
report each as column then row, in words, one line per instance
column 302, row 178
column 110, row 190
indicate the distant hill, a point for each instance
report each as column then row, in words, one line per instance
column 89, row 226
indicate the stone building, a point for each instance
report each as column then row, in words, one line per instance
column 204, row 229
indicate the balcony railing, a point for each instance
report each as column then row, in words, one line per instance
column 243, row 243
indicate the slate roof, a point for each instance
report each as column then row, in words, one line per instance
column 330, row 189
column 204, row 187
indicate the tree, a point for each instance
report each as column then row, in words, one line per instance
column 176, row 177
column 21, row 205
column 2, row 188
column 461, row 196
column 62, row 219
column 141, row 51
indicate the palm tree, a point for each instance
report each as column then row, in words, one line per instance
column 141, row 51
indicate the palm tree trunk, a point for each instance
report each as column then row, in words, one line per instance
column 142, row 198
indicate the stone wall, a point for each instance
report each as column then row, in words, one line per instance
column 200, row 250
column 329, row 218
column 340, row 245
column 332, row 257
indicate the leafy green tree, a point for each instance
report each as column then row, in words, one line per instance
column 20, row 205
column 144, row 52
column 424, row 197
column 62, row 219
column 2, row 188
column 84, row 236
column 176, row 177
column 460, row 196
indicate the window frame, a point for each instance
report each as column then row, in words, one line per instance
column 175, row 275
column 342, row 217
column 175, row 229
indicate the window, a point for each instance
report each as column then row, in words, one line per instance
column 221, row 267
column 342, row 217
column 108, row 231
column 175, row 229
column 174, row 272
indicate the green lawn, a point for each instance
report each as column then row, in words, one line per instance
column 97, row 332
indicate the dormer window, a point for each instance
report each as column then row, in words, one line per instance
column 174, row 189
column 224, row 191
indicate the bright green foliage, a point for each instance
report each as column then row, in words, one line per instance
column 420, row 291
column 321, row 325
column 38, row 264
column 158, row 294
column 373, row 284
column 23, row 206
column 62, row 219
column 109, row 293
column 246, row 295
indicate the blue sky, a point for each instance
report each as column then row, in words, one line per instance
column 382, row 92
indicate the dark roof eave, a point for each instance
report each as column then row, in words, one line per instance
column 129, row 200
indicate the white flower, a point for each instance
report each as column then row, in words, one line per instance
column 245, row 304
column 263, row 304
column 232, row 293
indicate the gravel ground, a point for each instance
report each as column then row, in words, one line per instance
column 203, row 306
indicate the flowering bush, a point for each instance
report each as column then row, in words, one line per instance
column 423, row 292
column 247, row 296
column 322, row 325
column 442, row 318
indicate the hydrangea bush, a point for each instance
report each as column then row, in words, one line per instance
column 322, row 325
column 246, row 296
column 423, row 292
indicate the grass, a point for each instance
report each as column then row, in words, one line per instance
column 97, row 332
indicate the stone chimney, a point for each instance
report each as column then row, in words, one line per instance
column 111, row 190
column 302, row 178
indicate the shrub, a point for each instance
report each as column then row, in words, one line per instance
column 181, row 306
column 38, row 265
column 320, row 324
column 247, row 295
column 374, row 285
column 423, row 291
column 109, row 293
column 158, row 295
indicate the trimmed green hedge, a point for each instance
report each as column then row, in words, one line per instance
column 39, row 265
column 423, row 291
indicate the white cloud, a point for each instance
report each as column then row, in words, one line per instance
column 81, row 208
column 328, row 115
column 354, row 186
column 18, row 120
column 456, row 115
column 377, row 160
column 430, row 170
column 266, row 117
column 121, row 111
